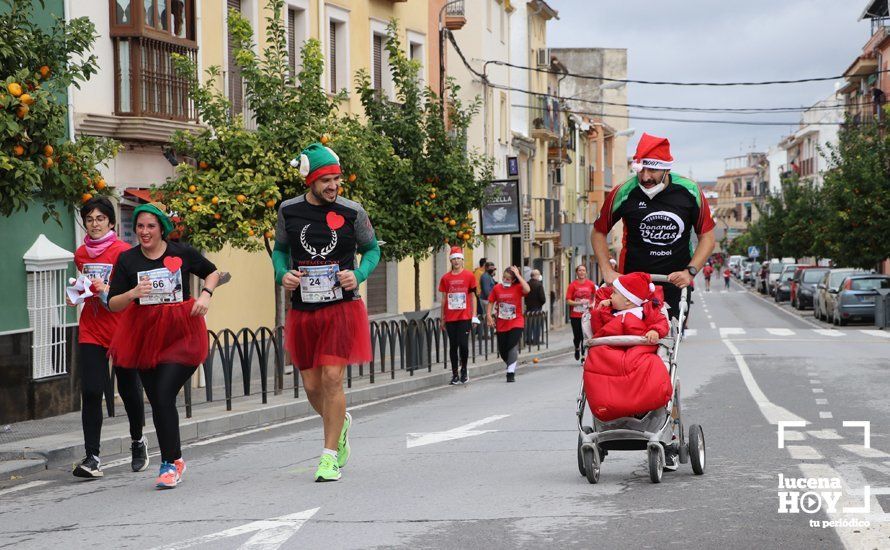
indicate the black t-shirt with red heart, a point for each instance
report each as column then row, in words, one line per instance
column 177, row 256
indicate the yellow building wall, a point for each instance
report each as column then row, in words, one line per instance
column 406, row 284
column 248, row 300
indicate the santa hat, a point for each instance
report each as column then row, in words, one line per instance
column 316, row 161
column 456, row 252
column 652, row 152
column 636, row 287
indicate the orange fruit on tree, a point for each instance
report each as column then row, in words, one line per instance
column 48, row 163
column 14, row 88
column 466, row 237
column 44, row 71
column 340, row 191
column 269, row 234
column 27, row 99
column 432, row 195
column 217, row 216
column 352, row 178
column 270, row 203
column 48, row 150
column 199, row 199
column 202, row 165
column 100, row 184
column 325, row 139
column 192, row 188
column 452, row 223
column 22, row 110
column 191, row 202
column 241, row 198
column 18, row 150
column 85, row 197
column 460, row 234
column 195, row 208
column 215, row 200
column 251, row 232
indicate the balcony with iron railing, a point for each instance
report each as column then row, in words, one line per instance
column 546, row 212
column 146, row 83
column 455, row 15
column 546, row 123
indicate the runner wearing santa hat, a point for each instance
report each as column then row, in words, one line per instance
column 458, row 288
column 162, row 332
column 316, row 239
column 659, row 210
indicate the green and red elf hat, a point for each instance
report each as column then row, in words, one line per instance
column 316, row 161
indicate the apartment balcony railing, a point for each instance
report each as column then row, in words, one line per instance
column 455, row 16
column 146, row 83
column 546, row 122
column 545, row 212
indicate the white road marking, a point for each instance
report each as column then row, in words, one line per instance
column 794, row 436
column 724, row 331
column 829, row 332
column 23, row 486
column 780, row 331
column 709, row 316
column 814, row 381
column 825, row 434
column 822, row 401
column 690, row 332
column 713, row 325
column 467, row 430
column 825, row 414
column 865, row 452
column 724, row 291
column 803, row 452
column 772, row 412
column 866, row 430
column 879, row 333
column 270, row 534
column 818, row 390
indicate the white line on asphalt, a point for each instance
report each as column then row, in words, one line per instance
column 772, row 412
column 728, row 331
column 467, row 430
column 818, row 390
column 803, row 452
column 825, row 434
column 822, row 401
column 813, row 381
column 713, row 325
column 879, row 333
column 825, row 414
column 789, row 435
column 23, row 486
column 829, row 332
column 865, row 452
column 856, row 535
column 780, row 331
column 709, row 317
column 690, row 332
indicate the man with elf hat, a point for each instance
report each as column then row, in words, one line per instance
column 458, row 288
column 316, row 240
column 659, row 210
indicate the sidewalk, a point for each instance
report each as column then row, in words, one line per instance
column 57, row 442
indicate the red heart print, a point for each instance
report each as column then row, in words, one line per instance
column 335, row 221
column 172, row 263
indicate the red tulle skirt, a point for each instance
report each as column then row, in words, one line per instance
column 333, row 335
column 165, row 333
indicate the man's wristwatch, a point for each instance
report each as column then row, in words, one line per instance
column 692, row 270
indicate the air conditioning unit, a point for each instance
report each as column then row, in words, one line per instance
column 528, row 230
column 547, row 250
column 544, row 57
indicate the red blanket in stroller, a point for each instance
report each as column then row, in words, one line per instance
column 625, row 381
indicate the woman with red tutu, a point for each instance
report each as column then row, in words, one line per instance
column 162, row 330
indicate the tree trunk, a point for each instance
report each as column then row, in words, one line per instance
column 416, row 285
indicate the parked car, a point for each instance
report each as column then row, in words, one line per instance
column 803, row 285
column 826, row 292
column 783, row 284
column 775, row 269
column 856, row 298
column 734, row 262
column 745, row 271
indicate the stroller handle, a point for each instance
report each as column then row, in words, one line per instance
column 623, row 341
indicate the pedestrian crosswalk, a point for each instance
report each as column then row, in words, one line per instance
column 784, row 333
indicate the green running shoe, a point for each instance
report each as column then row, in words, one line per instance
column 327, row 469
column 343, row 446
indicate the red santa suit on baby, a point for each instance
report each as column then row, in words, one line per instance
column 625, row 381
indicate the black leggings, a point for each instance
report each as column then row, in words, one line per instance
column 94, row 380
column 508, row 345
column 577, row 333
column 162, row 385
column 458, row 343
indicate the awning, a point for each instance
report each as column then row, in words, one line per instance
column 142, row 195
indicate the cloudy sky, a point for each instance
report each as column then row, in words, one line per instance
column 707, row 40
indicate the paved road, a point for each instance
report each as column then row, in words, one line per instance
column 493, row 465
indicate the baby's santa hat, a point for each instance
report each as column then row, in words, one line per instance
column 456, row 252
column 636, row 287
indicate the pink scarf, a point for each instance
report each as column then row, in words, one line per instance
column 95, row 247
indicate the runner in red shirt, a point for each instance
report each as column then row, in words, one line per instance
column 505, row 301
column 458, row 288
column 95, row 259
column 707, row 272
column 727, row 273
column 579, row 296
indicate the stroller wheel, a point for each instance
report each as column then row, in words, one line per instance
column 591, row 465
column 587, row 430
column 697, row 449
column 656, row 463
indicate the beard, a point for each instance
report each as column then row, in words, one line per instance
column 319, row 196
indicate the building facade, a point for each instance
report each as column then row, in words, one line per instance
column 742, row 187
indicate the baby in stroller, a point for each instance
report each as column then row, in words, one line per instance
column 627, row 381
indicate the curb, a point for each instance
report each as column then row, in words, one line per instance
column 16, row 463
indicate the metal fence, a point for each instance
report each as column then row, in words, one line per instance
column 250, row 361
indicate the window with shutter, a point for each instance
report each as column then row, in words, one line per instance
column 332, row 62
column 292, row 41
column 236, row 86
column 378, row 62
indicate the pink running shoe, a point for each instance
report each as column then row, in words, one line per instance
column 180, row 469
column 168, row 477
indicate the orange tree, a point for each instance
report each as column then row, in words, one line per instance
column 431, row 204
column 37, row 161
column 228, row 191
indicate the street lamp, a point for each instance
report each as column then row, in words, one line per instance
column 613, row 85
column 628, row 132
